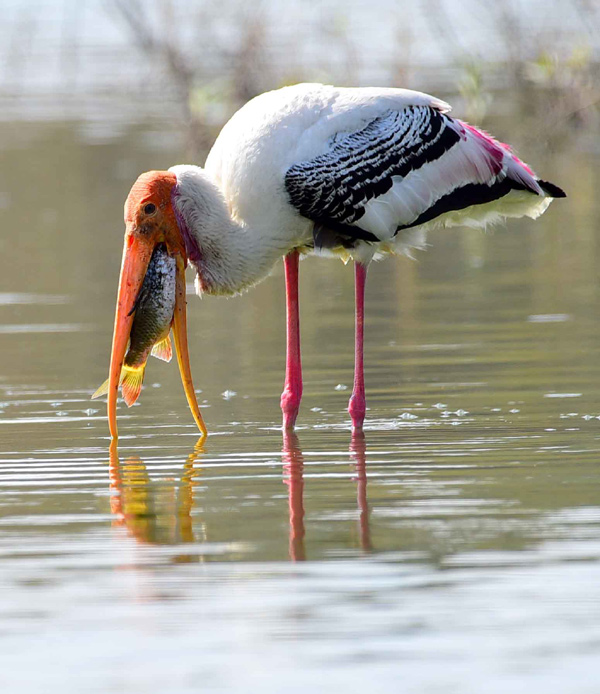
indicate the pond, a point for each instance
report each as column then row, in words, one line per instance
column 454, row 546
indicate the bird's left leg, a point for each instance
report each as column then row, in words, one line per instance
column 292, row 389
column 358, row 405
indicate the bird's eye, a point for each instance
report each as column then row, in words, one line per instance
column 150, row 208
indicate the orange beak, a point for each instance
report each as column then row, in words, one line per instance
column 141, row 237
column 181, row 345
column 136, row 258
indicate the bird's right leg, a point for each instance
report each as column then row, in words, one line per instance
column 358, row 404
column 292, row 389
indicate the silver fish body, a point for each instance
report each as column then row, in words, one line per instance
column 154, row 308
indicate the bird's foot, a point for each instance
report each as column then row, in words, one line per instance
column 357, row 408
column 290, row 404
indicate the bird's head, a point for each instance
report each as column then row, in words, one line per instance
column 149, row 214
column 150, row 219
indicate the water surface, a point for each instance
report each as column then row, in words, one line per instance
column 454, row 546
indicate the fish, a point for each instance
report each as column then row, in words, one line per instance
column 153, row 317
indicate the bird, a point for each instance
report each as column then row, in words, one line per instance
column 357, row 173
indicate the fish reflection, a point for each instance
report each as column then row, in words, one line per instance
column 155, row 513
column 293, row 468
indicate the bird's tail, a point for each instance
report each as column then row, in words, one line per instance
column 551, row 190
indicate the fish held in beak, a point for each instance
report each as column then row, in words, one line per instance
column 153, row 316
column 153, row 248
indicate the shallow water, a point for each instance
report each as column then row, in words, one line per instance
column 454, row 547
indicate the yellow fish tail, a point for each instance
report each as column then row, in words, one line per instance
column 132, row 378
column 131, row 381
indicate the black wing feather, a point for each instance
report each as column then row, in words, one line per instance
column 334, row 188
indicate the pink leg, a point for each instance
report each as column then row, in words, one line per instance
column 292, row 389
column 358, row 405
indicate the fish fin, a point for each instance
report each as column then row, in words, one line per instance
column 103, row 390
column 163, row 350
column 131, row 384
column 132, row 378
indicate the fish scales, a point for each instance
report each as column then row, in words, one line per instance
column 154, row 307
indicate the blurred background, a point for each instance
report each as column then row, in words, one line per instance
column 458, row 542
column 194, row 62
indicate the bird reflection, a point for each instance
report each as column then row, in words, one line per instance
column 358, row 453
column 293, row 468
column 160, row 512
column 152, row 512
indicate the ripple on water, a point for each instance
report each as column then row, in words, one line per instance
column 454, row 546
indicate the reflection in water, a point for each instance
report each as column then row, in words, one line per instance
column 358, row 452
column 293, row 467
column 160, row 511
column 157, row 514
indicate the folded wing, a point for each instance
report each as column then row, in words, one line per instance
column 409, row 167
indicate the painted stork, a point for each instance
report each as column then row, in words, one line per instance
column 354, row 173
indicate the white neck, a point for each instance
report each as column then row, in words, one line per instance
column 228, row 256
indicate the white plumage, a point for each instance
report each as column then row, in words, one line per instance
column 239, row 212
column 351, row 172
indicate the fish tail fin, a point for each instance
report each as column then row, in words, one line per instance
column 163, row 350
column 102, row 390
column 132, row 378
column 131, row 384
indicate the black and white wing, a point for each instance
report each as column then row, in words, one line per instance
column 407, row 167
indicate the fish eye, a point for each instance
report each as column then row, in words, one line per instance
column 150, row 208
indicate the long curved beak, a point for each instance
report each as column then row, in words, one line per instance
column 137, row 253
column 136, row 258
column 181, row 345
